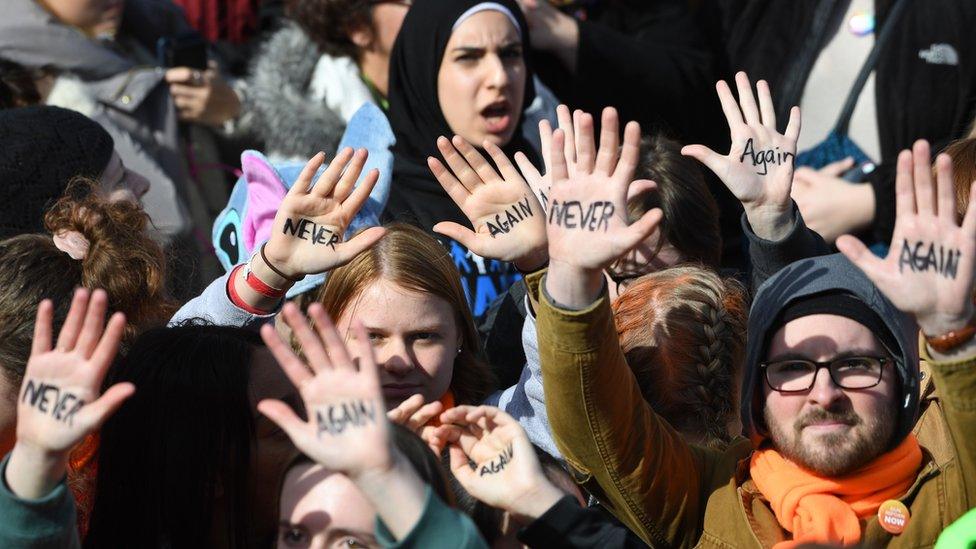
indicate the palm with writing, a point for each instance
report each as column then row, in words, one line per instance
column 929, row 268
column 492, row 458
column 347, row 430
column 59, row 400
column 508, row 220
column 759, row 167
column 588, row 226
column 306, row 237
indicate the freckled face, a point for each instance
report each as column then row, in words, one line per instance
column 321, row 509
column 481, row 83
column 414, row 336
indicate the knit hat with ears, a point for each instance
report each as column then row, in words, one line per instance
column 41, row 150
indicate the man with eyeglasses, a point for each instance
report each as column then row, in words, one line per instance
column 830, row 390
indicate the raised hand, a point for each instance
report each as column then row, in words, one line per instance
column 929, row 268
column 415, row 415
column 59, row 401
column 509, row 222
column 492, row 458
column 587, row 219
column 306, row 237
column 759, row 167
column 347, row 429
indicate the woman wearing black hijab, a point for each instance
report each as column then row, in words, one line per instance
column 457, row 67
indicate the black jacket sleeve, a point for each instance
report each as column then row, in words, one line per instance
column 768, row 257
column 567, row 524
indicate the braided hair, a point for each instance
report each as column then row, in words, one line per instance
column 682, row 331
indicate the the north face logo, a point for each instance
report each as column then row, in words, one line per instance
column 940, row 54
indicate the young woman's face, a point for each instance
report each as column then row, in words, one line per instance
column 321, row 509
column 94, row 17
column 414, row 336
column 481, row 83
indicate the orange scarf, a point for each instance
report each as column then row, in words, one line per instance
column 448, row 401
column 828, row 510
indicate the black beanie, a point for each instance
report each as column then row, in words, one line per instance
column 840, row 304
column 41, row 150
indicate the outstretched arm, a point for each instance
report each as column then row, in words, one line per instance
column 928, row 273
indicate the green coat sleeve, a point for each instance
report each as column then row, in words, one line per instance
column 956, row 382
column 38, row 523
column 439, row 527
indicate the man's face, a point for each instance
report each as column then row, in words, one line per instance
column 827, row 429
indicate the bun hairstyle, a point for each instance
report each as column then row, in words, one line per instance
column 683, row 332
column 121, row 259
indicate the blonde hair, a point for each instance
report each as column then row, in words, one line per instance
column 683, row 333
column 414, row 260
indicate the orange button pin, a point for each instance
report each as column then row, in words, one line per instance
column 893, row 516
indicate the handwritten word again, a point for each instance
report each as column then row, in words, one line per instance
column 498, row 464
column 765, row 157
column 591, row 217
column 309, row 230
column 921, row 259
column 65, row 403
column 520, row 211
column 336, row 418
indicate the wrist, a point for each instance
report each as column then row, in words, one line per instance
column 534, row 502
column 532, row 261
column 573, row 286
column 33, row 472
column 277, row 269
column 861, row 206
column 770, row 223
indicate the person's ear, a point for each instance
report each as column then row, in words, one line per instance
column 361, row 37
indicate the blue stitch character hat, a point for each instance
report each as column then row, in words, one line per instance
column 246, row 222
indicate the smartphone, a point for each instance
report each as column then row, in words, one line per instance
column 183, row 50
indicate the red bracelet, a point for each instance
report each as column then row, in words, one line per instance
column 258, row 285
column 236, row 299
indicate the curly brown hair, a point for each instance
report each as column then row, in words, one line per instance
column 329, row 22
column 121, row 259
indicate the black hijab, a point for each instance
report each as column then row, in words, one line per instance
column 415, row 112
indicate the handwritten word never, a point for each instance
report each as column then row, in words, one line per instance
column 573, row 214
column 309, row 230
column 921, row 259
column 498, row 464
column 336, row 418
column 66, row 404
column 765, row 157
column 520, row 211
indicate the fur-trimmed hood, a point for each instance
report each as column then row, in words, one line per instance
column 300, row 99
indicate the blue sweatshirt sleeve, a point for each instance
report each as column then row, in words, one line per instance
column 215, row 307
column 439, row 527
column 37, row 523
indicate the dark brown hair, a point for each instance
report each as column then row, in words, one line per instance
column 121, row 259
column 690, row 222
column 329, row 22
column 17, row 88
column 683, row 333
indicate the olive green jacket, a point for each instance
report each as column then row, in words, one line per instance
column 673, row 494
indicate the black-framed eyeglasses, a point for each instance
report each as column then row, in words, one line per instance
column 798, row 376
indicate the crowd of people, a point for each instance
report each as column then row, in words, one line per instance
column 509, row 273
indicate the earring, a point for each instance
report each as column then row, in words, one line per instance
column 459, row 350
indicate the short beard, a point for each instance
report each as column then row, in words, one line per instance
column 837, row 454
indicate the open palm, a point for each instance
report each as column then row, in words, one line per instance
column 588, row 225
column 306, row 237
column 347, row 429
column 60, row 403
column 929, row 268
column 759, row 167
column 509, row 221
